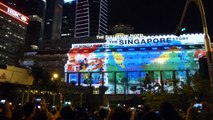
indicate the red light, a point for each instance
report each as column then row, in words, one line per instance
column 11, row 12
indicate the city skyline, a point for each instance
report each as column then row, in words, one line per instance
column 122, row 63
column 156, row 17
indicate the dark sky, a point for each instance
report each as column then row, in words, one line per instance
column 158, row 16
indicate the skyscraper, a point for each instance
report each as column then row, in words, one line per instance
column 91, row 18
column 53, row 19
column 68, row 19
column 35, row 10
column 13, row 27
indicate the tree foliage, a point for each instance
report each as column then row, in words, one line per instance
column 195, row 89
column 42, row 79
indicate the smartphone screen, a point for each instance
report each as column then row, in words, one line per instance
column 132, row 108
column 38, row 100
column 39, row 106
column 198, row 105
column 106, row 107
column 3, row 101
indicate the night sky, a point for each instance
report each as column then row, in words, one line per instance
column 159, row 16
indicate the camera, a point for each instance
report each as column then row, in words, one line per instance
column 198, row 106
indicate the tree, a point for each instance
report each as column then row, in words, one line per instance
column 11, row 91
column 195, row 88
column 149, row 80
column 201, row 88
column 42, row 78
column 133, row 88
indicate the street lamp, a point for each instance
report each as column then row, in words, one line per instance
column 55, row 76
column 207, row 40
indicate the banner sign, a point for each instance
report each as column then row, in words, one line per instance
column 15, row 75
column 11, row 12
column 157, row 40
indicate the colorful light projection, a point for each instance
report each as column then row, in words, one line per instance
column 132, row 61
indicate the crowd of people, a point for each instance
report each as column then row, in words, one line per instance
column 40, row 110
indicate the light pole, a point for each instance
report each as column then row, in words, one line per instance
column 207, row 40
column 54, row 77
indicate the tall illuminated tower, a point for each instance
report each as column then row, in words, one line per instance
column 91, row 18
column 13, row 27
column 35, row 10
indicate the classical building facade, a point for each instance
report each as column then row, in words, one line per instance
column 124, row 61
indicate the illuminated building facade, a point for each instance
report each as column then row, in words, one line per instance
column 35, row 10
column 123, row 62
column 13, row 27
column 91, row 18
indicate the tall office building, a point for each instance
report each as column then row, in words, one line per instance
column 53, row 19
column 35, row 10
column 13, row 27
column 68, row 19
column 91, row 18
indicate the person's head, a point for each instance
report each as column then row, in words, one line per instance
column 102, row 113
column 81, row 113
column 120, row 114
column 83, row 66
column 168, row 112
column 28, row 109
column 67, row 113
column 151, row 116
column 40, row 116
column 138, row 115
